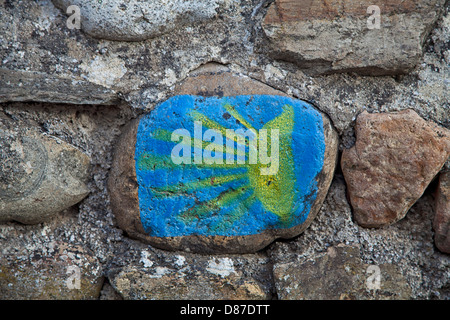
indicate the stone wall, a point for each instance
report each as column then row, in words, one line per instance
column 378, row 73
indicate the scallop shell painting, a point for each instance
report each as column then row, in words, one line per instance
column 217, row 172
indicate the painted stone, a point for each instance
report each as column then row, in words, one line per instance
column 222, row 174
column 216, row 192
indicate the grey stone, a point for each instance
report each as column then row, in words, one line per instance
column 324, row 37
column 407, row 244
column 30, row 255
column 16, row 85
column 36, row 40
column 41, row 175
column 139, row 20
column 343, row 96
column 192, row 277
column 54, row 271
column 339, row 274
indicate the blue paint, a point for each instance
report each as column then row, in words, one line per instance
column 161, row 211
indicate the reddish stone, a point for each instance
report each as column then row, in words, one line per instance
column 395, row 157
column 294, row 10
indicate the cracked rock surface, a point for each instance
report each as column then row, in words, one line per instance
column 341, row 36
column 69, row 86
column 139, row 20
column 395, row 157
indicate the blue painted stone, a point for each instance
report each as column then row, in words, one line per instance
column 203, row 197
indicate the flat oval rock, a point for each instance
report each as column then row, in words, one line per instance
column 40, row 175
column 222, row 174
column 137, row 20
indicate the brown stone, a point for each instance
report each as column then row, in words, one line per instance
column 214, row 79
column 441, row 223
column 122, row 184
column 339, row 274
column 209, row 80
column 292, row 10
column 333, row 36
column 395, row 157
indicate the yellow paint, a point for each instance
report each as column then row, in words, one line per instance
column 276, row 192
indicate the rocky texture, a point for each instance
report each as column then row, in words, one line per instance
column 38, row 41
column 188, row 277
column 55, row 271
column 34, row 86
column 214, row 79
column 35, row 40
column 395, row 157
column 127, row 200
column 407, row 244
column 35, row 259
column 339, row 274
column 95, row 129
column 41, row 175
column 137, row 20
column 441, row 222
column 324, row 37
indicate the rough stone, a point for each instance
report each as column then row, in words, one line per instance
column 137, row 20
column 338, row 36
column 407, row 244
column 395, row 157
column 87, row 229
column 41, row 175
column 57, row 271
column 16, row 85
column 36, row 41
column 204, row 225
column 109, row 293
column 339, row 274
column 441, row 222
column 191, row 277
column 214, row 79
